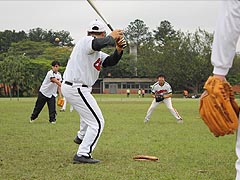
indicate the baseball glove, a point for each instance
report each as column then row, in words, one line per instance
column 121, row 42
column 218, row 107
column 145, row 158
column 159, row 97
column 60, row 102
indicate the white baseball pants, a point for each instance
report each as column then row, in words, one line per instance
column 91, row 118
column 168, row 103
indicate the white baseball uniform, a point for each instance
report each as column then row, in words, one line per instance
column 164, row 89
column 81, row 73
column 226, row 35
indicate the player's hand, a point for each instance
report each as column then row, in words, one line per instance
column 121, row 43
column 116, row 34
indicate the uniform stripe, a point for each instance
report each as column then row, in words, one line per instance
column 96, row 117
column 179, row 117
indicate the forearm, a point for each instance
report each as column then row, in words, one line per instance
column 59, row 92
column 54, row 80
column 113, row 59
column 99, row 43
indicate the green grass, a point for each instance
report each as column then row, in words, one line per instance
column 44, row 151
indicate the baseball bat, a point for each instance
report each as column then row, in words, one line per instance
column 104, row 20
column 96, row 10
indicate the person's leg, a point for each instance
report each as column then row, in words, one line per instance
column 168, row 102
column 41, row 101
column 91, row 118
column 83, row 128
column 92, row 123
column 150, row 110
column 82, row 131
column 52, row 109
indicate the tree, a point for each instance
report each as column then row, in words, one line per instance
column 57, row 53
column 137, row 32
column 164, row 33
column 38, row 35
column 190, row 63
column 28, row 48
column 125, row 68
column 7, row 37
column 12, row 73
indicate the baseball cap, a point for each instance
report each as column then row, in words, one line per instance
column 96, row 26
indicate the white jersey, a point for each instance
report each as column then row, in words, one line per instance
column 84, row 64
column 49, row 88
column 164, row 89
column 226, row 36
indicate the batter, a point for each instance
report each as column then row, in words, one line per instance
column 81, row 73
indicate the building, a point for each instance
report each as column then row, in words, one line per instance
column 120, row 85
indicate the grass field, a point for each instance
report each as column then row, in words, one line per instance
column 44, row 151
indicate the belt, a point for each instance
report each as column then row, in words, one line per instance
column 70, row 84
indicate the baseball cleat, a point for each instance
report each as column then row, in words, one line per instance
column 146, row 120
column 77, row 140
column 83, row 159
column 53, row 122
column 180, row 121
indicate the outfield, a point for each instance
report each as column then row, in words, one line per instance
column 44, row 151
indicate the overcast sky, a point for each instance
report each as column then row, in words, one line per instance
column 74, row 16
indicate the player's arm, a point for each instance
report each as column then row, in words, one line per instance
column 54, row 80
column 113, row 59
column 99, row 43
column 59, row 91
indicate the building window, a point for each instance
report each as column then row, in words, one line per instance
column 106, row 85
column 119, row 85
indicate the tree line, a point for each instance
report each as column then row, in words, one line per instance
column 184, row 57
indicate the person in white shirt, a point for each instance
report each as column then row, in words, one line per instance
column 161, row 87
column 82, row 71
column 226, row 36
column 48, row 92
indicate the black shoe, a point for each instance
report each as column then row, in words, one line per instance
column 31, row 120
column 84, row 159
column 77, row 140
column 52, row 121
